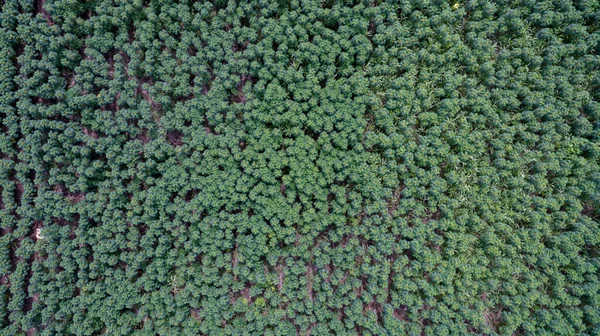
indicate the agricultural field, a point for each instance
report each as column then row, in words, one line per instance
column 302, row 167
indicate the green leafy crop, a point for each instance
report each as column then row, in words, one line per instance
column 414, row 167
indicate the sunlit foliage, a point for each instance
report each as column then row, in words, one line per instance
column 299, row 167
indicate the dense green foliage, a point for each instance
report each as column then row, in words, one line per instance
column 417, row 167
